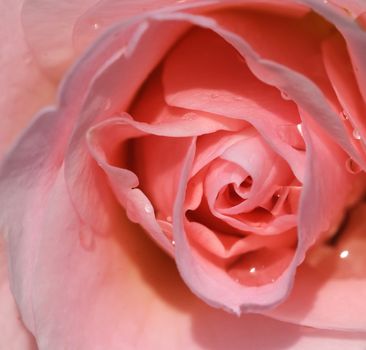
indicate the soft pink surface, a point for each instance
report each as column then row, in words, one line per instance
column 24, row 88
column 83, row 276
column 13, row 333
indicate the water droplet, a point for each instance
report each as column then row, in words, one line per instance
column 169, row 218
column 252, row 270
column 148, row 208
column 344, row 115
column 285, row 96
column 325, row 1
column 173, row 242
column 96, row 26
column 356, row 134
column 344, row 254
column 189, row 116
column 299, row 128
column 352, row 166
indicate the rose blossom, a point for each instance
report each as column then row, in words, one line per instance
column 232, row 132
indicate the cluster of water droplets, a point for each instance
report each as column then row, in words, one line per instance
column 351, row 164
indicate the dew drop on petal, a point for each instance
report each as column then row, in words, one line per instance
column 148, row 208
column 356, row 134
column 96, row 26
column 352, row 167
column 344, row 254
column 252, row 270
column 299, row 128
column 344, row 115
column 173, row 243
column 189, row 116
column 285, row 96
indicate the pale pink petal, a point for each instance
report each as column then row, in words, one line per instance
column 105, row 13
column 339, row 68
column 211, row 282
column 294, row 84
column 118, row 60
column 343, row 14
column 108, row 12
column 14, row 335
column 48, row 27
column 124, row 292
column 331, row 283
column 224, row 85
column 24, row 89
column 149, row 106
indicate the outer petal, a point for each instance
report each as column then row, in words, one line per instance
column 344, row 14
column 54, row 52
column 331, row 283
column 13, row 333
column 124, row 293
column 24, row 89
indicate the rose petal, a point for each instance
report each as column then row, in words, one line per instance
column 331, row 283
column 24, row 88
column 340, row 72
column 341, row 15
column 209, row 282
column 296, row 85
column 108, row 12
column 54, row 53
column 13, row 333
column 226, row 92
column 120, row 53
column 125, row 291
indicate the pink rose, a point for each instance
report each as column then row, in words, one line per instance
column 231, row 132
